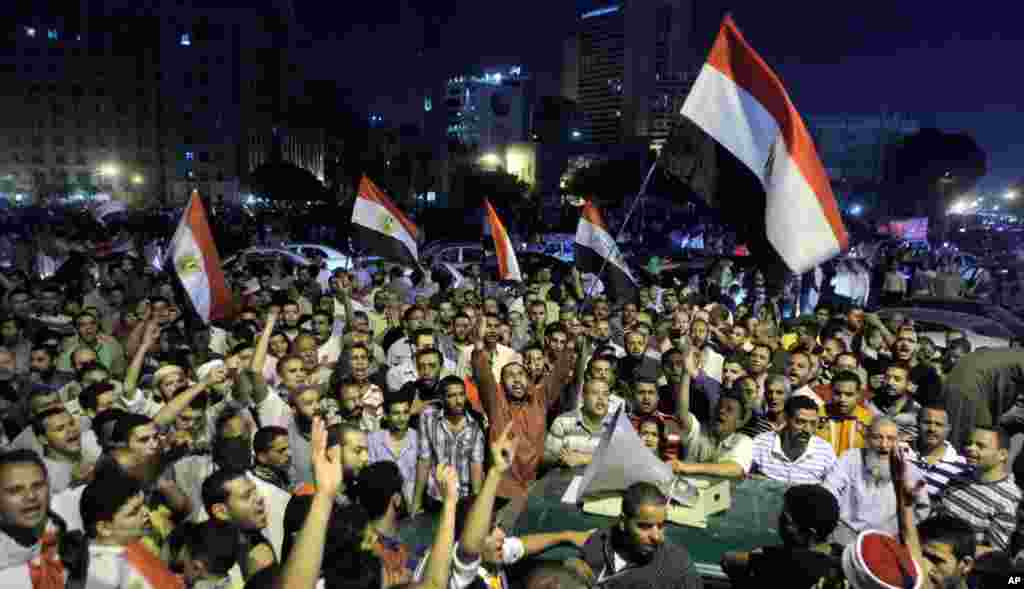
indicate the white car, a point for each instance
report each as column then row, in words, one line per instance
column 262, row 258
column 982, row 332
column 313, row 251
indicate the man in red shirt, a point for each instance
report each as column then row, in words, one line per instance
column 523, row 399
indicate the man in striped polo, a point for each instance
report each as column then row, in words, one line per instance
column 988, row 500
column 932, row 454
column 794, row 455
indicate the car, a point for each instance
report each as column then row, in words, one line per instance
column 1000, row 315
column 314, row 251
column 981, row 331
column 458, row 253
column 262, row 259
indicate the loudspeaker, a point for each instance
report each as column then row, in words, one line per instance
column 621, row 459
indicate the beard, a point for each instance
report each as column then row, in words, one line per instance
column 877, row 466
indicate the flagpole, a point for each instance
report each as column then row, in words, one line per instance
column 625, row 223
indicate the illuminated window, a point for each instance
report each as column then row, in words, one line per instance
column 30, row 31
column 190, row 155
column 185, row 40
column 51, row 34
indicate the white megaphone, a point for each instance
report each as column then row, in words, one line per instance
column 621, row 459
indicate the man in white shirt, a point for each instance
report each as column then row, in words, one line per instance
column 862, row 483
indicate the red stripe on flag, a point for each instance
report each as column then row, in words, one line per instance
column 592, row 214
column 370, row 191
column 737, row 60
column 501, row 241
column 220, row 296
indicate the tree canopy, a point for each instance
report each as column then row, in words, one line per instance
column 926, row 170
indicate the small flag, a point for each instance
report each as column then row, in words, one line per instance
column 380, row 228
column 596, row 250
column 197, row 264
column 508, row 266
column 742, row 146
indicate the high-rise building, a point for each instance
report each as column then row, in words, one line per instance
column 149, row 98
column 490, row 110
column 630, row 65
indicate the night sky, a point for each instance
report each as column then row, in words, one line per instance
column 954, row 64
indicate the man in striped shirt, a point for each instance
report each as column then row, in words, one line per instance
column 933, row 455
column 795, row 454
column 988, row 501
column 574, row 436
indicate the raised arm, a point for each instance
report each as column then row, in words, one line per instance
column 681, row 381
column 905, row 496
column 482, row 371
column 179, row 403
column 259, row 359
column 151, row 333
column 556, row 380
column 135, row 338
column 478, row 524
column 439, row 565
column 302, row 568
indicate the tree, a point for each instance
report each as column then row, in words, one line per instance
column 926, row 171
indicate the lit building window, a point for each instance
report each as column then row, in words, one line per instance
column 185, row 40
column 51, row 34
column 190, row 155
column 428, row 104
column 30, row 31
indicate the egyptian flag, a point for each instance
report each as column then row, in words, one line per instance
column 508, row 266
column 742, row 147
column 380, row 228
column 197, row 264
column 596, row 250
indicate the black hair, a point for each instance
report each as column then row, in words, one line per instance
column 89, row 397
column 847, row 376
column 103, row 426
column 1002, row 434
column 22, row 456
column 378, row 484
column 215, row 543
column 947, row 529
column 39, row 421
column 215, row 487
column 124, row 426
column 265, row 436
column 406, row 394
column 104, row 497
column 640, row 494
column 448, row 381
column 736, row 394
column 798, row 403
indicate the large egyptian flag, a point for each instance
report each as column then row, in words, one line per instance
column 197, row 264
column 597, row 253
column 380, row 228
column 508, row 265
column 742, row 147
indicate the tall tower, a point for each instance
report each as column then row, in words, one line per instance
column 632, row 63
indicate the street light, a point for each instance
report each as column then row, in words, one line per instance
column 490, row 159
column 1010, row 194
column 109, row 170
column 137, row 179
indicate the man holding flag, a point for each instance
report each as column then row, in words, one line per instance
column 196, row 263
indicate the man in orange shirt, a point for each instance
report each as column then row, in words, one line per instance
column 847, row 419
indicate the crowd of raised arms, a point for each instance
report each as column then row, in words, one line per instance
column 287, row 445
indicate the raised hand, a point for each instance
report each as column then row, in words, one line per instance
column 580, row 538
column 448, row 482
column 326, row 472
column 152, row 334
column 693, row 361
column 906, row 491
column 503, row 450
column 481, row 328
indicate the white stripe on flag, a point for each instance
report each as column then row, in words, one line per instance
column 597, row 239
column 185, row 250
column 795, row 223
column 375, row 216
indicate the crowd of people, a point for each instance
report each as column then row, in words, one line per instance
column 287, row 445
